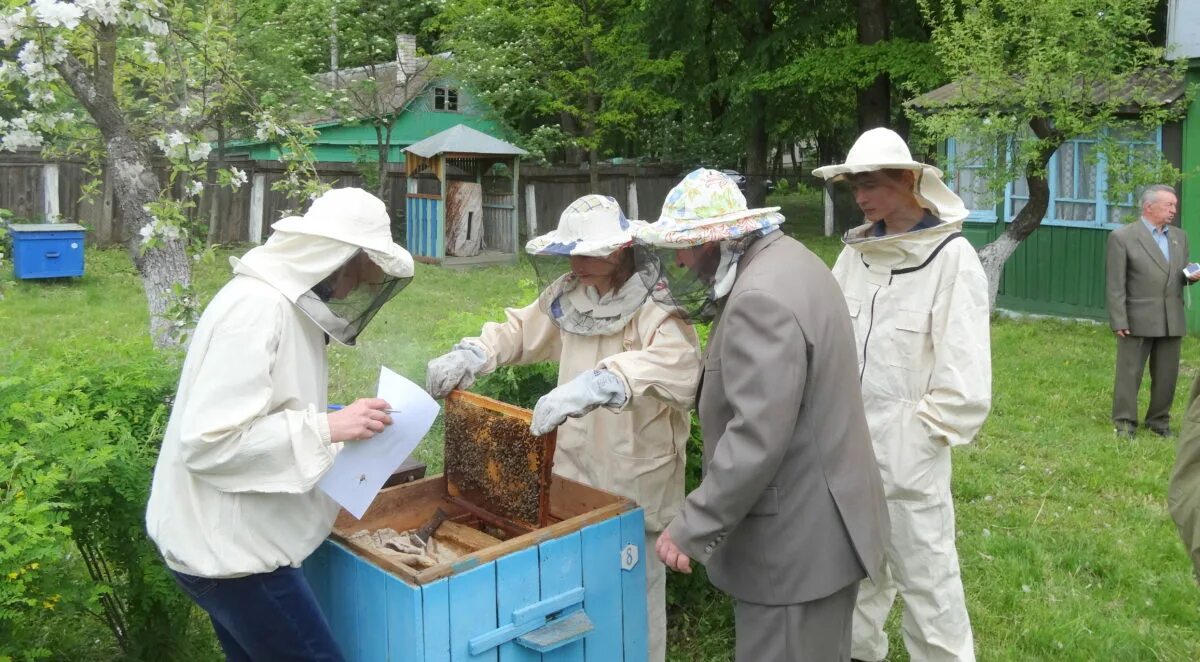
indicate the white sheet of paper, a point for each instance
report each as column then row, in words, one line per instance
column 362, row 467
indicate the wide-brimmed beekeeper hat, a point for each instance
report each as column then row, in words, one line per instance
column 884, row 149
column 704, row 207
column 353, row 216
column 592, row 226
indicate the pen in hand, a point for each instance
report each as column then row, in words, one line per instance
column 337, row 407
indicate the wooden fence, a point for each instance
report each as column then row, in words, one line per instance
column 34, row 189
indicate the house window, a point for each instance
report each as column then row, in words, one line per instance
column 967, row 162
column 445, row 98
column 1077, row 175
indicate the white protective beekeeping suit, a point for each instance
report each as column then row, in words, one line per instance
column 248, row 438
column 919, row 303
column 635, row 445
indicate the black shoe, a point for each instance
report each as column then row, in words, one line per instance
column 1124, row 434
column 1162, row 432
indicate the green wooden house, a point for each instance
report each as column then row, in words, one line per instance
column 413, row 92
column 1059, row 269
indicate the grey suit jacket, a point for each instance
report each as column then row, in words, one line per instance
column 791, row 507
column 1145, row 292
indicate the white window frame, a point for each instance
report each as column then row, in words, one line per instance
column 1100, row 194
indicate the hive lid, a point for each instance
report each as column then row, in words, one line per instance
column 47, row 227
column 493, row 462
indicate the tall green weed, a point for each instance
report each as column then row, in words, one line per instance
column 78, row 440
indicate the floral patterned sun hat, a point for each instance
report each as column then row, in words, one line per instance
column 593, row 225
column 706, row 207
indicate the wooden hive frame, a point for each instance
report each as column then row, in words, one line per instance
column 564, row 506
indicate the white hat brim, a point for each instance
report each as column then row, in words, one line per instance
column 553, row 243
column 831, row 171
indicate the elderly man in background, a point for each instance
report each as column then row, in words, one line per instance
column 1145, row 268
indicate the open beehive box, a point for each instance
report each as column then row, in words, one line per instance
column 498, row 494
column 529, row 564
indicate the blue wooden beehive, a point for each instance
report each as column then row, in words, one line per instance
column 47, row 250
column 573, row 589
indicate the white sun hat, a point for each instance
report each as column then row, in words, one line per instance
column 884, row 149
column 592, row 226
column 353, row 216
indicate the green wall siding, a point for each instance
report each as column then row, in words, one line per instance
column 417, row 122
column 1056, row 271
column 1189, row 199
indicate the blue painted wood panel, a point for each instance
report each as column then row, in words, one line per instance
column 423, row 226
column 561, row 570
column 601, row 549
column 633, row 589
column 405, row 624
column 517, row 585
column 316, row 571
column 343, row 599
column 473, row 594
column 436, row 608
column 378, row 616
column 372, row 613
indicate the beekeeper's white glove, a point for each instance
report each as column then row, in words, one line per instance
column 576, row 398
column 456, row 369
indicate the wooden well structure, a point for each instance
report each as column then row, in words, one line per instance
column 461, row 205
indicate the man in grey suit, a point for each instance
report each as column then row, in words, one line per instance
column 790, row 515
column 1145, row 281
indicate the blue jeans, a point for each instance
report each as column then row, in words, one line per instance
column 265, row 617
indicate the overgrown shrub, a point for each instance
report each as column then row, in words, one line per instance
column 520, row 385
column 78, row 441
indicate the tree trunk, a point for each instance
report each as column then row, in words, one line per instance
column 134, row 182
column 756, row 152
column 874, row 101
column 717, row 102
column 593, row 101
column 383, row 138
column 994, row 255
column 215, row 192
column 761, row 25
column 571, row 152
column 795, row 161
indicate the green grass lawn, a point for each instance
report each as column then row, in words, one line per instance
column 1067, row 550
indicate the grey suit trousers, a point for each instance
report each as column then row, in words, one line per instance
column 816, row 631
column 1132, row 353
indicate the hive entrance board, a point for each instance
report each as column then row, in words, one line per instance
column 495, row 468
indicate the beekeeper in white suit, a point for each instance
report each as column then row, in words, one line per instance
column 918, row 297
column 628, row 367
column 234, row 507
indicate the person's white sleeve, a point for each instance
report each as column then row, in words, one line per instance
column 667, row 368
column 229, row 435
column 960, row 386
column 527, row 335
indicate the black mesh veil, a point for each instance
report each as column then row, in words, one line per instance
column 346, row 301
column 578, row 307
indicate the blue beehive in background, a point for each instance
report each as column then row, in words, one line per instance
column 47, row 250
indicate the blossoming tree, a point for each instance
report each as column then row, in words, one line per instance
column 125, row 81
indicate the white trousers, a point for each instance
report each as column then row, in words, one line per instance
column 922, row 565
column 656, row 601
